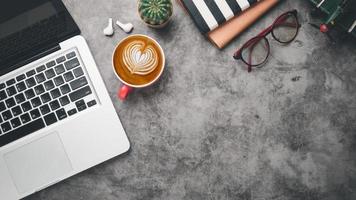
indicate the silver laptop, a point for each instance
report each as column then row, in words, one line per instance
column 56, row 117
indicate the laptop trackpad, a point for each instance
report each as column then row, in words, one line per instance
column 38, row 163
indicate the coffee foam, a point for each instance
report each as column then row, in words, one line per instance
column 140, row 58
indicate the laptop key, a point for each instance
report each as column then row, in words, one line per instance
column 65, row 89
column 25, row 118
column 2, row 85
column 39, row 89
column 78, row 72
column 20, row 98
column 59, row 69
column 60, row 59
column 2, row 106
column 30, row 82
column 50, row 64
column 21, row 86
column 81, row 105
column 68, row 76
column 45, row 109
column 2, row 95
column 10, row 102
column 6, row 115
column 45, row 97
column 49, row 85
column 26, row 106
column 21, row 131
column 64, row 100
column 61, row 114
column 20, row 77
column 54, row 105
column 72, row 112
column 29, row 93
column 50, row 119
column 71, row 63
column 16, row 111
column 80, row 82
column 55, row 93
column 70, row 55
column 35, row 113
column 50, row 73
column 5, row 127
column 36, row 102
column 10, row 82
column 40, row 78
column 80, row 93
column 30, row 73
column 15, row 122
column 58, row 80
column 40, row 68
column 91, row 103
column 10, row 91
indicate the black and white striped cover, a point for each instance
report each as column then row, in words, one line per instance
column 209, row 14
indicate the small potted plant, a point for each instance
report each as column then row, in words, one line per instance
column 155, row 13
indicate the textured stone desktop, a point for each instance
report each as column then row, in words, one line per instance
column 210, row 130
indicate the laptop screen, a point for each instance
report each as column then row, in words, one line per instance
column 29, row 27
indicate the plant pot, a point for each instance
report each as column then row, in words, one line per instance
column 155, row 13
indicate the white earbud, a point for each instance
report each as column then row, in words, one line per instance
column 109, row 30
column 125, row 27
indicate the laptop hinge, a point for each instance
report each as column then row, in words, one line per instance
column 31, row 59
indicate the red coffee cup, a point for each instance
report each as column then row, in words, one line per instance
column 127, row 86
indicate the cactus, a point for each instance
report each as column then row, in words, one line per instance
column 155, row 12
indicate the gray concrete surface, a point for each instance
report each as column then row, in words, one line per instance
column 210, row 130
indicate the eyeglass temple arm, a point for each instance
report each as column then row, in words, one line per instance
column 266, row 31
column 279, row 21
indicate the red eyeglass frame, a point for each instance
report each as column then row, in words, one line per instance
column 263, row 34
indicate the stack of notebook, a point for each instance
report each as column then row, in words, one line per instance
column 223, row 20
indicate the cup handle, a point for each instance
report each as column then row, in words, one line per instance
column 124, row 91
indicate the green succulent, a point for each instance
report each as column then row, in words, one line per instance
column 155, row 12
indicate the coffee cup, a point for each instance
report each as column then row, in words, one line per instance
column 138, row 61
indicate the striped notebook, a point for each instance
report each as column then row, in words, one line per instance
column 209, row 14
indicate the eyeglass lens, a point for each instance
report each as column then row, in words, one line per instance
column 286, row 28
column 256, row 52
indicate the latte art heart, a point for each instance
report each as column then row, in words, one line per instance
column 139, row 58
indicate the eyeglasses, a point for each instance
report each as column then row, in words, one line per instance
column 254, row 52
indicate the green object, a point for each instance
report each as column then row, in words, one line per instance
column 338, row 12
column 155, row 12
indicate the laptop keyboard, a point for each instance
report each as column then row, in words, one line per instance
column 43, row 96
